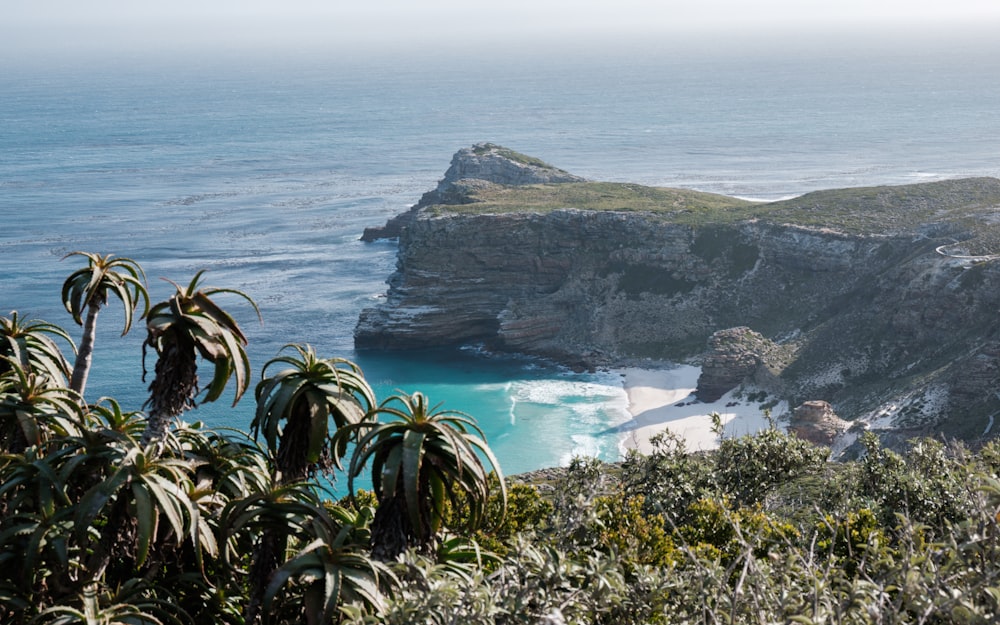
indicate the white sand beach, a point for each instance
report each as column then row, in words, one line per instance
column 662, row 399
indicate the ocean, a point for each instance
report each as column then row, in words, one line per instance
column 264, row 169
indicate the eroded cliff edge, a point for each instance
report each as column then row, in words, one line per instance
column 881, row 301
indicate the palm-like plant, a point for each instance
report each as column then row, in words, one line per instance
column 186, row 325
column 228, row 466
column 329, row 566
column 306, row 396
column 331, row 571
column 109, row 420
column 88, row 289
column 29, row 343
column 135, row 601
column 31, row 409
column 35, row 550
column 147, row 510
column 420, row 460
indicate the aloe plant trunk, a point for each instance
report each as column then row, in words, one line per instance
column 85, row 355
column 392, row 533
column 268, row 556
column 172, row 391
column 291, row 458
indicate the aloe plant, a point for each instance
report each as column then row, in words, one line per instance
column 419, row 461
column 189, row 324
column 306, row 396
column 88, row 289
column 31, row 344
column 31, row 409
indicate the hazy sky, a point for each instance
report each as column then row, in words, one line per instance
column 68, row 25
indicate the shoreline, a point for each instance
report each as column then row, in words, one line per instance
column 661, row 399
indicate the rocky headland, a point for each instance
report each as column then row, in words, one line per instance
column 882, row 302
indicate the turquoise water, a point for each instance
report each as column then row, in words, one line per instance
column 533, row 415
column 265, row 171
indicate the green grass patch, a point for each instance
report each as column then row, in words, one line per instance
column 597, row 196
column 953, row 206
column 967, row 210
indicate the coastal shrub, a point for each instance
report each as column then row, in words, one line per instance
column 805, row 500
column 851, row 538
column 625, row 529
column 929, row 485
column 749, row 467
column 534, row 583
column 718, row 530
column 951, row 580
column 524, row 512
column 544, row 584
column 359, row 501
column 988, row 458
column 433, row 594
column 668, row 479
column 574, row 519
column 593, row 512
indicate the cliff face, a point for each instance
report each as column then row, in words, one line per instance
column 885, row 325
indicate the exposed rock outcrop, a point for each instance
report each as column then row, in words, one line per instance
column 471, row 169
column 734, row 356
column 851, row 285
column 816, row 422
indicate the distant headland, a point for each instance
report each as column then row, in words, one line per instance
column 881, row 301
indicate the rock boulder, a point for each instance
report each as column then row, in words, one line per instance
column 816, row 422
column 734, row 356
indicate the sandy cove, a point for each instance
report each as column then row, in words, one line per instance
column 662, row 399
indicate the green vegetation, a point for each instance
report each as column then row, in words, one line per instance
column 189, row 324
column 638, row 279
column 684, row 206
column 951, row 205
column 664, row 538
column 306, row 396
column 959, row 209
column 109, row 516
column 100, row 524
column 88, row 288
column 420, row 460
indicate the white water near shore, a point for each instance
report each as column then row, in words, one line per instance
column 663, row 399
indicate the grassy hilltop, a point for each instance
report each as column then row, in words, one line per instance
column 968, row 206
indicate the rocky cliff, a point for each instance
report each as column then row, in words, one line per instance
column 473, row 168
column 881, row 301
